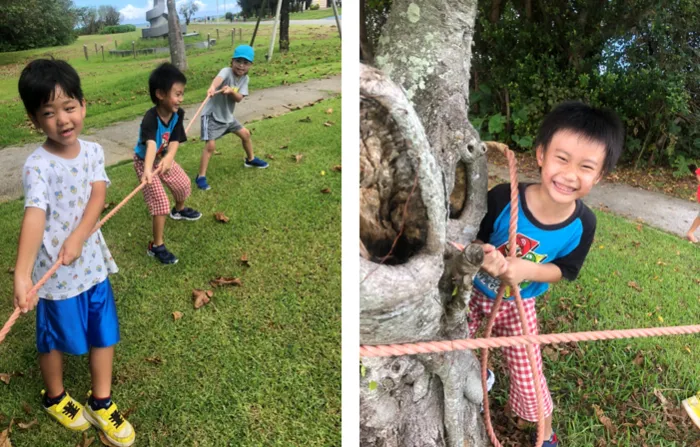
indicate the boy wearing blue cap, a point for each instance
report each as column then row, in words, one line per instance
column 217, row 117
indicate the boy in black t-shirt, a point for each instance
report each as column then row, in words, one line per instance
column 159, row 137
column 576, row 146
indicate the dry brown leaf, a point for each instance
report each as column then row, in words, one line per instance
column 551, row 353
column 27, row 409
column 328, row 123
column 305, row 120
column 128, row 412
column 28, row 425
column 225, row 281
column 639, row 360
column 639, row 227
column 284, row 147
column 244, row 260
column 221, row 217
column 200, row 298
column 104, row 440
column 85, row 442
column 329, row 111
column 326, row 190
column 5, row 438
column 5, row 377
column 177, row 315
column 662, row 399
column 108, row 205
column 607, row 423
column 298, row 157
column 155, row 360
column 337, row 168
column 634, row 285
column 269, row 156
column 11, row 270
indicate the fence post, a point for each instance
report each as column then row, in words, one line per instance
column 217, row 34
column 208, row 41
column 240, row 33
column 116, row 47
column 85, row 51
column 103, row 52
column 233, row 34
column 95, row 47
column 133, row 48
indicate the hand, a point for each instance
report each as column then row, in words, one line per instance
column 495, row 263
column 211, row 91
column 23, row 284
column 147, row 176
column 516, row 271
column 166, row 164
column 72, row 249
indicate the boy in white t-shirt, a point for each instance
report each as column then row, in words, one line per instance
column 65, row 186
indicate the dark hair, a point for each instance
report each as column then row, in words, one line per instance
column 600, row 125
column 38, row 81
column 163, row 78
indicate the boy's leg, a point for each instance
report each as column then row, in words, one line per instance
column 691, row 233
column 180, row 185
column 246, row 141
column 101, row 360
column 207, row 152
column 51, row 365
column 159, row 229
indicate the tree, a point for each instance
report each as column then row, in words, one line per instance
column 176, row 41
column 419, row 152
column 36, row 23
column 284, row 26
column 88, row 19
column 188, row 9
column 229, row 16
column 109, row 15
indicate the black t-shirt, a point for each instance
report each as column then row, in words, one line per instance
column 153, row 128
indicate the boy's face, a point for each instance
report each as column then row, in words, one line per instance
column 61, row 119
column 571, row 165
column 171, row 101
column 240, row 66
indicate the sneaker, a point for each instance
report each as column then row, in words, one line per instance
column 161, row 253
column 68, row 412
column 185, row 213
column 255, row 163
column 110, row 422
column 553, row 441
column 202, row 183
column 692, row 407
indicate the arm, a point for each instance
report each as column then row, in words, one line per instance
column 148, row 161
column 233, row 93
column 215, row 84
column 73, row 246
column 30, row 240
column 519, row 270
column 168, row 159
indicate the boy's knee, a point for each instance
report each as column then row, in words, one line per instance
column 244, row 134
column 210, row 146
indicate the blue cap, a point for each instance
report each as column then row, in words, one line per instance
column 245, row 52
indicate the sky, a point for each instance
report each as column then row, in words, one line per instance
column 134, row 11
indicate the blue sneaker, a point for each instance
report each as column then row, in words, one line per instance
column 202, row 183
column 553, row 441
column 185, row 214
column 255, row 163
column 161, row 253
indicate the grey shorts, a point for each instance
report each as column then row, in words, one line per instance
column 213, row 130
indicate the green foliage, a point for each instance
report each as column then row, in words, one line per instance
column 314, row 7
column 188, row 9
column 117, row 29
column 229, row 16
column 36, row 23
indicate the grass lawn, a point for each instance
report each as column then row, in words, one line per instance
column 260, row 365
column 117, row 89
column 311, row 15
column 634, row 277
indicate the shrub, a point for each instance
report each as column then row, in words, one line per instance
column 118, row 29
column 314, row 7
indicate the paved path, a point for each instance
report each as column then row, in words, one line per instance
column 118, row 140
column 654, row 209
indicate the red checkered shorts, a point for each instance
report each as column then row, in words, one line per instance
column 156, row 198
column 522, row 384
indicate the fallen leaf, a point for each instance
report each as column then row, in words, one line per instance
column 200, row 297
column 244, row 260
column 329, row 111
column 5, row 438
column 326, row 190
column 328, row 123
column 86, row 441
column 284, row 147
column 607, row 423
column 28, row 425
column 662, row 399
column 221, row 217
column 104, row 440
column 639, row 227
column 639, row 360
column 225, row 281
column 298, row 157
column 127, row 413
column 337, row 168
column 155, row 360
column 634, row 285
column 177, row 315
column 305, row 120
column 269, row 156
column 4, row 377
column 27, row 409
column 11, row 270
column 217, row 152
column 108, row 205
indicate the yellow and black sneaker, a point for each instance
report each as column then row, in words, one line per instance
column 108, row 420
column 692, row 406
column 67, row 412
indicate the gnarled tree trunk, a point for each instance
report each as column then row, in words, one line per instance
column 423, row 183
column 177, row 42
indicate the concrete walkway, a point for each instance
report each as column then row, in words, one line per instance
column 118, row 140
column 652, row 208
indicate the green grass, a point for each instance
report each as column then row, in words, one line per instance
column 260, row 365
column 117, row 89
column 605, row 373
column 311, row 15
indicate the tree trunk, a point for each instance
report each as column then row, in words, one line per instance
column 177, row 42
column 423, row 182
column 284, row 27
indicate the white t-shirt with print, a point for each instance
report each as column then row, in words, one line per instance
column 62, row 188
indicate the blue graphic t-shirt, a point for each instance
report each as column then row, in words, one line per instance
column 565, row 244
column 153, row 128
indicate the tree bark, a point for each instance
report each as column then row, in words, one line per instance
column 284, row 27
column 177, row 42
column 423, row 183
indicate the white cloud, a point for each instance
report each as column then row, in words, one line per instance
column 131, row 12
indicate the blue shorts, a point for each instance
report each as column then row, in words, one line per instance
column 75, row 324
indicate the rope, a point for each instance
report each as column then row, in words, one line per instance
column 527, row 339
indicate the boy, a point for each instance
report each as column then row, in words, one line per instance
column 696, row 223
column 64, row 187
column 217, row 117
column 576, row 146
column 159, row 137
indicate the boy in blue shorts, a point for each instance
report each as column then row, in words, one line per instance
column 64, row 193
column 217, row 116
column 575, row 147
